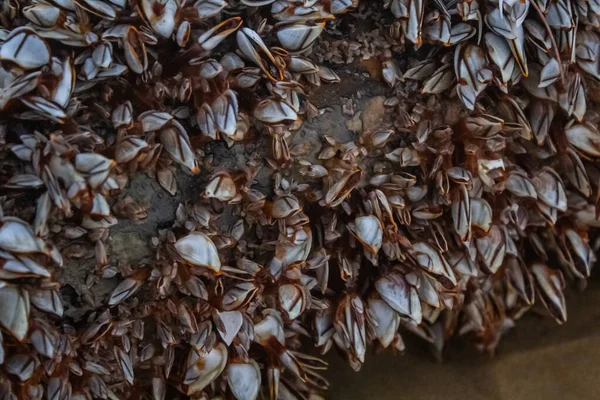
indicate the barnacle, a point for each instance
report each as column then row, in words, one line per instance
column 470, row 199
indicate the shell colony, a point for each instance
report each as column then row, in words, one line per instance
column 473, row 203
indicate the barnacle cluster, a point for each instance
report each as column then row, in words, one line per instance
column 473, row 200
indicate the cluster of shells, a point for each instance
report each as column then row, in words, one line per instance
column 435, row 223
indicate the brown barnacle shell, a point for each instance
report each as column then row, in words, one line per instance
column 15, row 319
column 340, row 188
column 17, row 236
column 433, row 262
column 222, row 187
column 203, row 368
column 244, row 379
column 25, row 49
column 285, row 206
column 368, row 231
column 400, row 293
column 294, row 297
column 350, row 328
column 549, row 287
column 199, row 250
column 128, row 287
column 129, row 148
column 385, row 320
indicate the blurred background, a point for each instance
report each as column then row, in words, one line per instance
column 537, row 359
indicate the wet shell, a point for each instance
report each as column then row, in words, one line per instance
column 197, row 249
column 368, row 230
